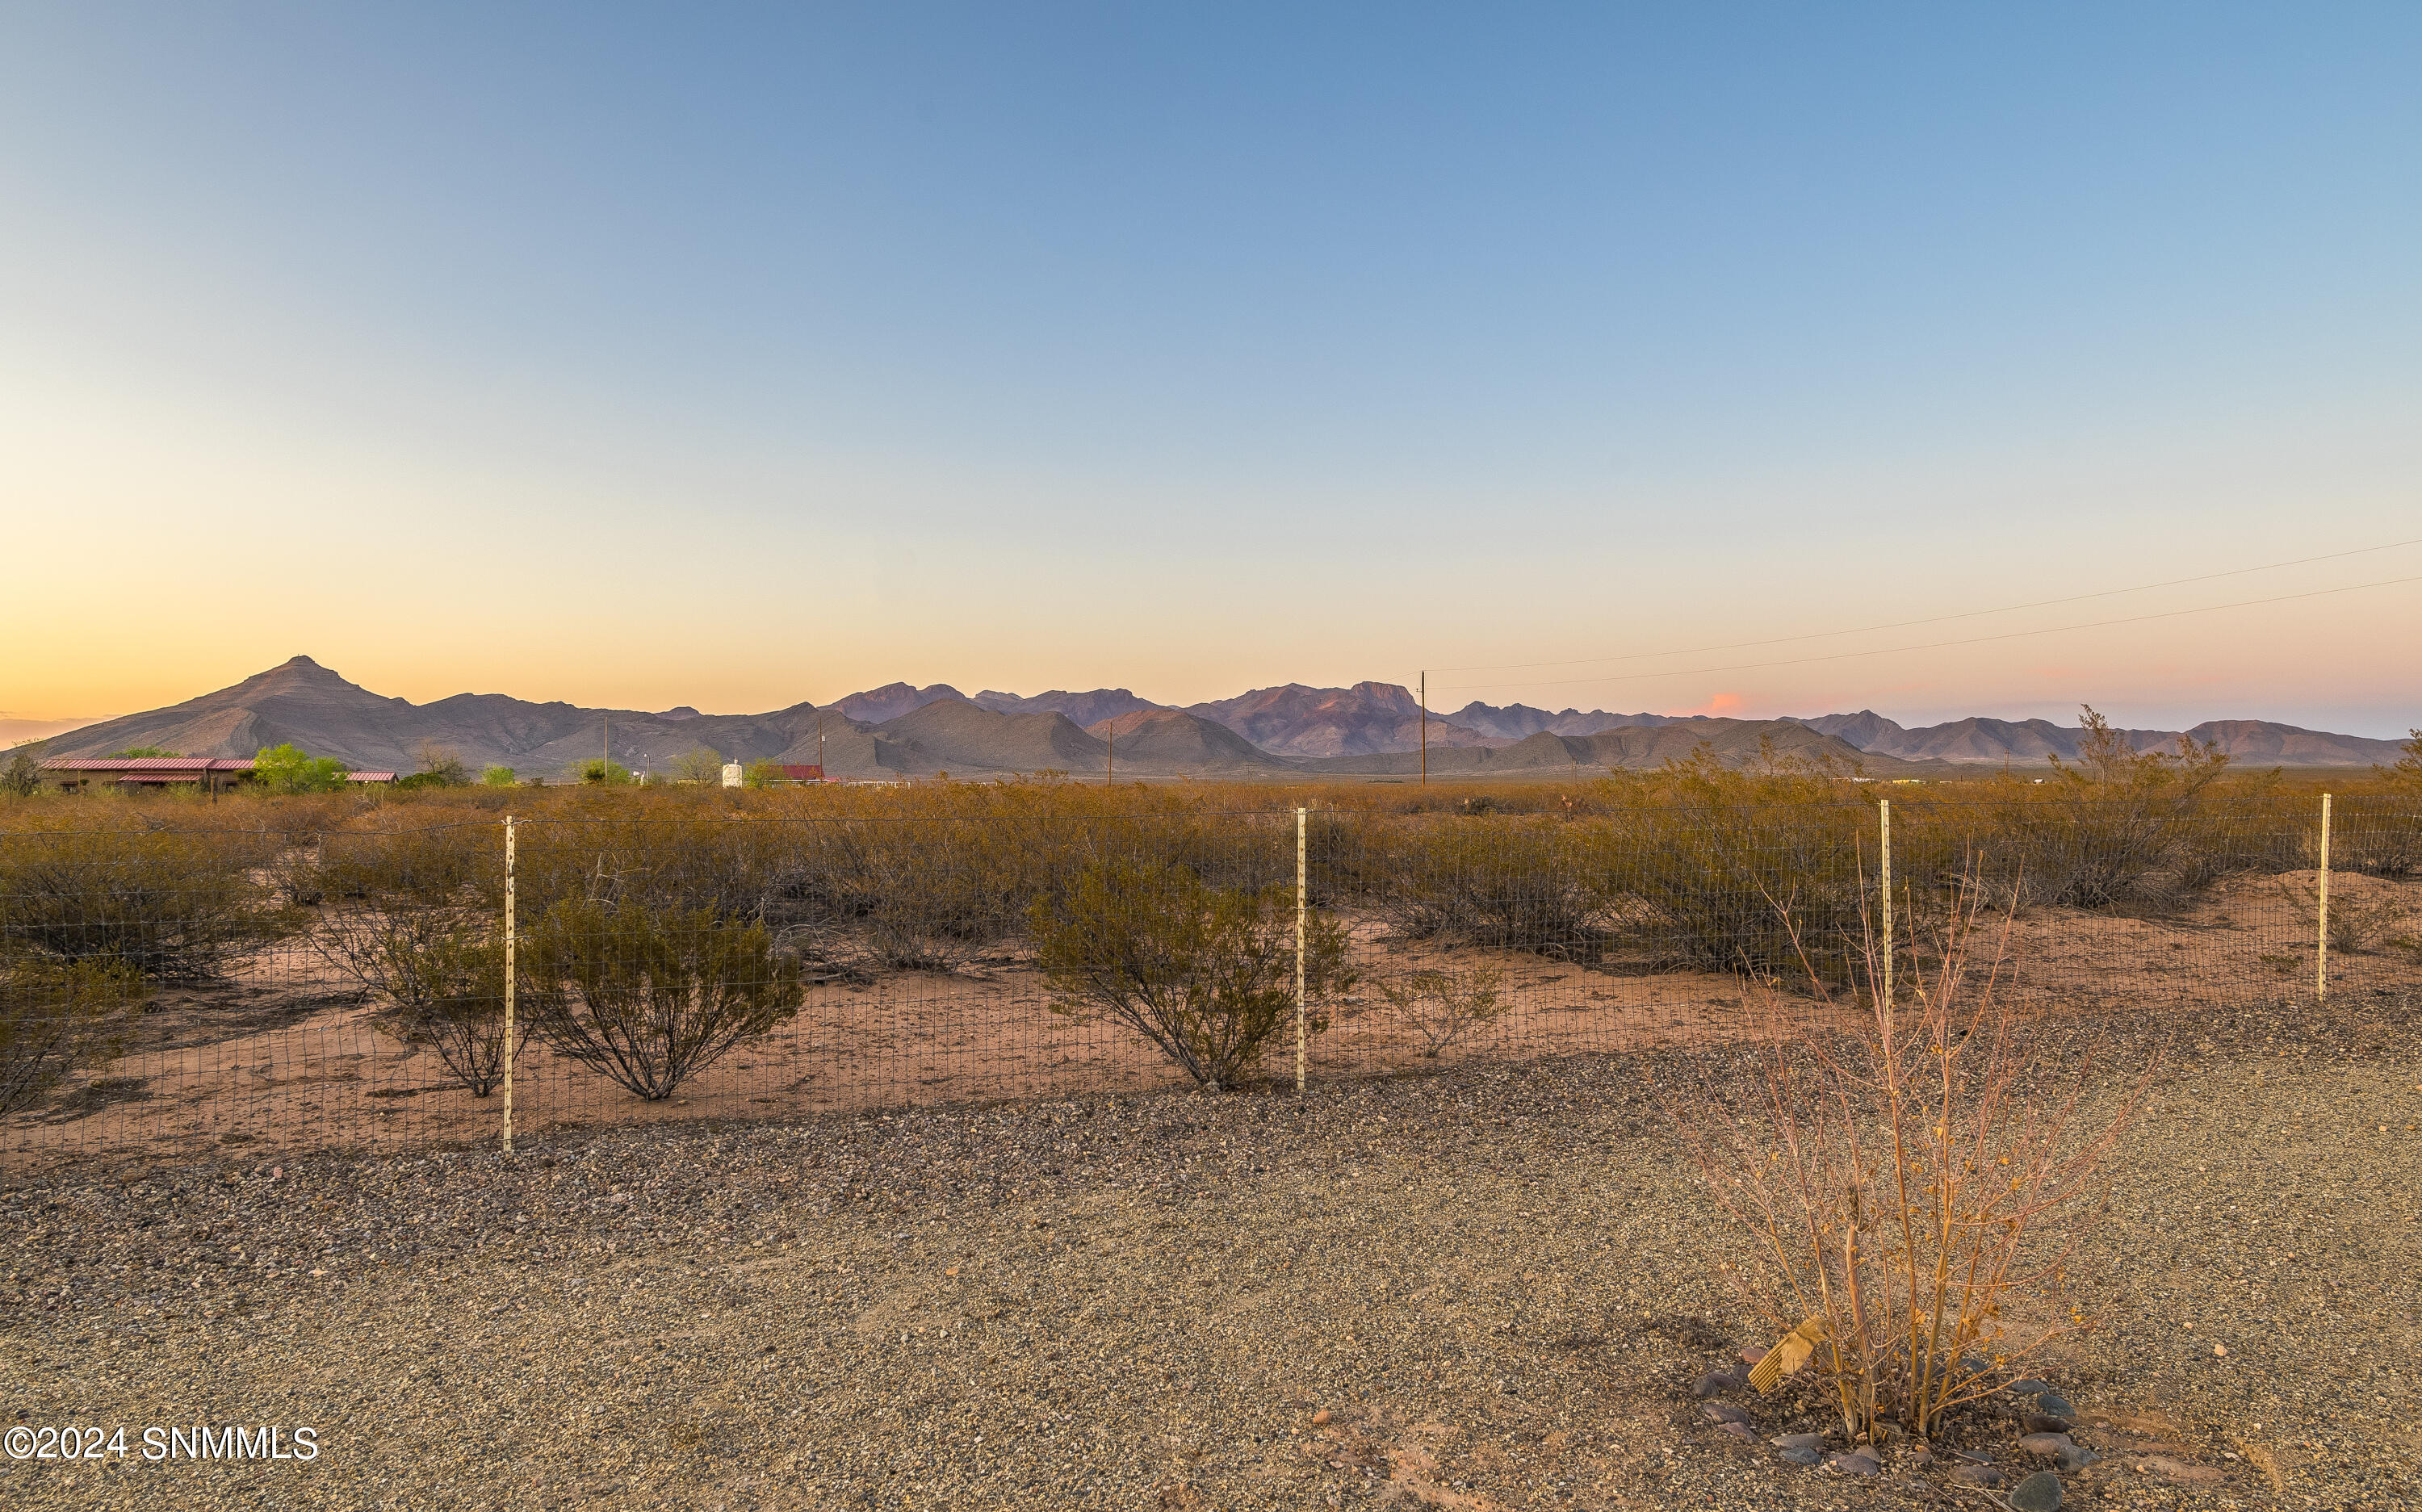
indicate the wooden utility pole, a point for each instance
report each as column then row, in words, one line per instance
column 819, row 742
column 1425, row 700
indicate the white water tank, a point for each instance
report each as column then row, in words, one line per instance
column 731, row 773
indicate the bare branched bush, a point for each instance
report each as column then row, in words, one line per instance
column 55, row 1016
column 1441, row 1006
column 1206, row 976
column 652, row 998
column 442, row 974
column 1906, row 1174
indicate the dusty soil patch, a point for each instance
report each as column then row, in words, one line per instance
column 1480, row 1289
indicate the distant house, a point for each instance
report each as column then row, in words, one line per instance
column 811, row 773
column 75, row 774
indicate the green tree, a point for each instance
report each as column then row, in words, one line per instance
column 496, row 776
column 440, row 766
column 291, row 769
column 703, row 766
column 764, row 774
column 599, row 772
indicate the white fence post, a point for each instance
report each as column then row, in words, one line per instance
column 509, row 984
column 1884, row 808
column 2321, row 953
column 1300, row 1047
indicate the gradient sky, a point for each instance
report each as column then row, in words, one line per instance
column 731, row 356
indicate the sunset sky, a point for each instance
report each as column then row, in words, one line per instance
column 733, row 356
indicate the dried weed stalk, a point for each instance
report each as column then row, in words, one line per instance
column 1906, row 1165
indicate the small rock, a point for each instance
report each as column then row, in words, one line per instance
column 1723, row 1413
column 2039, row 1493
column 1973, row 1366
column 2077, row 1457
column 1715, row 1381
column 1801, row 1440
column 1975, row 1457
column 1320, row 1419
column 2044, row 1422
column 1801, row 1457
column 1739, row 1430
column 1752, row 1357
column 1857, row 1464
column 2029, row 1387
column 2052, row 1403
column 2045, row 1445
column 1978, row 1475
column 1920, row 1456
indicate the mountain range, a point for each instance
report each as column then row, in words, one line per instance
column 1370, row 728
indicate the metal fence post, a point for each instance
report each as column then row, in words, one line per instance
column 509, row 984
column 1883, row 809
column 2321, row 950
column 1300, row 1047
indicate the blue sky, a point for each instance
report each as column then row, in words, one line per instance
column 733, row 357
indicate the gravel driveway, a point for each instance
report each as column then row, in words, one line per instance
column 1485, row 1288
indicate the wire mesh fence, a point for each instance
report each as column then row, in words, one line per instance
column 168, row 992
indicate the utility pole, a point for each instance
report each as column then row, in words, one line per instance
column 819, row 742
column 1426, row 728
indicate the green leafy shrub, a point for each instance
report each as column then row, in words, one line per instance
column 496, row 776
column 651, row 998
column 55, row 1016
column 1206, row 976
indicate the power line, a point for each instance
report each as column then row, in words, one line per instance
column 1939, row 618
column 1935, row 645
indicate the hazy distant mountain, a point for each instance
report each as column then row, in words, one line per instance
column 1519, row 721
column 1978, row 741
column 15, row 730
column 1087, row 709
column 892, row 700
column 1365, row 719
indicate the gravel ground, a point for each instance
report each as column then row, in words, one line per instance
column 1485, row 1288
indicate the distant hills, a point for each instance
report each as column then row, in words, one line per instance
column 1992, row 742
column 1370, row 728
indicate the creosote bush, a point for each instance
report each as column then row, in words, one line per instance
column 1206, row 976
column 55, row 1016
column 1441, row 1006
column 171, row 904
column 442, row 974
column 651, row 998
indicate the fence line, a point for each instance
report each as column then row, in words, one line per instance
column 166, row 991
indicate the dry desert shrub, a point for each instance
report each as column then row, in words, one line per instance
column 1441, row 1006
column 651, row 998
column 172, row 904
column 1902, row 1172
column 1505, row 883
column 55, row 1016
column 1206, row 975
column 442, row 973
column 1754, row 870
